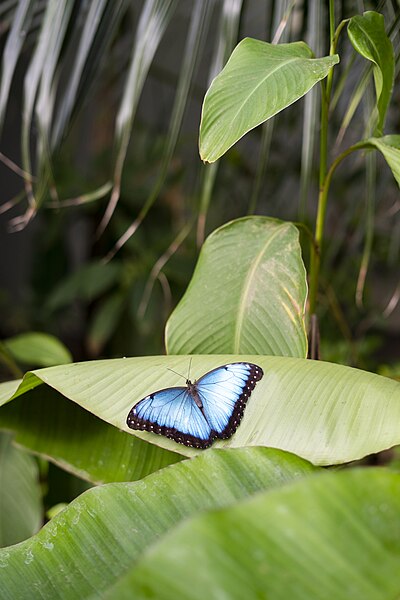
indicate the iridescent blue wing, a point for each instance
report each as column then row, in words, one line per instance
column 224, row 392
column 172, row 412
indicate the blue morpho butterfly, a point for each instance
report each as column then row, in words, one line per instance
column 211, row 407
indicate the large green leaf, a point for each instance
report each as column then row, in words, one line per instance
column 8, row 389
column 21, row 510
column 258, row 81
column 368, row 36
column 324, row 412
column 94, row 541
column 335, row 535
column 48, row 424
column 389, row 145
column 247, row 294
column 37, row 349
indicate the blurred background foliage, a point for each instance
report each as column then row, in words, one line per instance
column 100, row 106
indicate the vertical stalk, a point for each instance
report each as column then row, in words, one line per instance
column 9, row 362
column 326, row 89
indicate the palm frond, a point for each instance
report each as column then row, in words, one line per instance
column 197, row 33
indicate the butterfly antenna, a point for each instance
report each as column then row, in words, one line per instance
column 176, row 373
column 190, row 364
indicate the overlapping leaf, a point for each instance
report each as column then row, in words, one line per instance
column 48, row 424
column 92, row 543
column 247, row 294
column 389, row 146
column 335, row 535
column 39, row 349
column 368, row 36
column 324, row 412
column 21, row 510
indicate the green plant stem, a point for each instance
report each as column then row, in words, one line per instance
column 323, row 152
column 324, row 174
column 9, row 362
column 319, row 227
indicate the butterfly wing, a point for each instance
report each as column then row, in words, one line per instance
column 172, row 412
column 224, row 392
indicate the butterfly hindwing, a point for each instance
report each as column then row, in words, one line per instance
column 224, row 392
column 172, row 412
column 195, row 415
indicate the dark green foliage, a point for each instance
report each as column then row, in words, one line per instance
column 109, row 206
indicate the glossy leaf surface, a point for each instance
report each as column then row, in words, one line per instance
column 258, row 81
column 48, row 424
column 368, row 36
column 324, row 412
column 247, row 294
column 21, row 512
column 336, row 535
column 93, row 542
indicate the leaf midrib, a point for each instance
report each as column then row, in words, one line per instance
column 267, row 76
column 245, row 292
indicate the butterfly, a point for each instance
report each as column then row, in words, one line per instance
column 195, row 415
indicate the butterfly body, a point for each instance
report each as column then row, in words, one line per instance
column 209, row 408
column 192, row 389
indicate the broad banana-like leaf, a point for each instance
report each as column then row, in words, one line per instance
column 335, row 535
column 324, row 412
column 21, row 513
column 91, row 544
column 46, row 423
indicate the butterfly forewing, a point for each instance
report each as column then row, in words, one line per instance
column 224, row 393
column 171, row 412
column 174, row 412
